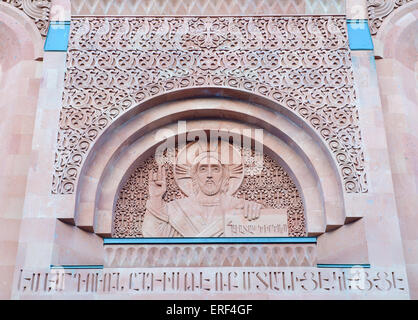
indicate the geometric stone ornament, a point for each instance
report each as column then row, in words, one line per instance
column 302, row 63
column 205, row 7
column 271, row 188
column 36, row 10
column 379, row 9
column 210, row 255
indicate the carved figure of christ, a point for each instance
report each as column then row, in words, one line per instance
column 201, row 214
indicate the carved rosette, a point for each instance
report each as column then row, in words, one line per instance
column 302, row 63
column 36, row 10
column 379, row 9
column 272, row 187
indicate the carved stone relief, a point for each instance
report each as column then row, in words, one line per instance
column 36, row 10
column 210, row 255
column 129, row 283
column 302, row 63
column 379, row 10
column 266, row 196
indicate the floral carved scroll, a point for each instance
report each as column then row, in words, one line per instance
column 302, row 63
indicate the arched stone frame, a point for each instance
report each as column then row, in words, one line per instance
column 33, row 44
column 391, row 28
column 37, row 11
column 104, row 202
column 315, row 155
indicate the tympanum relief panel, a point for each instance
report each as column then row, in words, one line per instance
column 176, row 199
column 303, row 63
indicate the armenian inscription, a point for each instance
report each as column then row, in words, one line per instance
column 271, row 223
column 210, row 280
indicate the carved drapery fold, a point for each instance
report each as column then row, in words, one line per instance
column 272, row 187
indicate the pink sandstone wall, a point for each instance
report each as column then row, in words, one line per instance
column 19, row 85
column 397, row 73
column 32, row 237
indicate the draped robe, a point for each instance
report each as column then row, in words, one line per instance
column 189, row 218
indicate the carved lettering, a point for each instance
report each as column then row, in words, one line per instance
column 256, row 280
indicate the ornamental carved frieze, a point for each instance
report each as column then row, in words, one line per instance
column 205, row 7
column 379, row 9
column 266, row 184
column 38, row 11
column 302, row 63
column 210, row 255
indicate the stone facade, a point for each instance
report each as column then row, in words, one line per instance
column 325, row 138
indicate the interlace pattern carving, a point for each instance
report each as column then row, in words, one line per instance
column 36, row 10
column 302, row 63
column 272, row 187
column 379, row 9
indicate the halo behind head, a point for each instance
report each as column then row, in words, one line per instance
column 193, row 153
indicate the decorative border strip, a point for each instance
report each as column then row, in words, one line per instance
column 276, row 282
column 76, row 266
column 57, row 37
column 345, row 266
column 208, row 240
column 205, row 7
column 172, row 255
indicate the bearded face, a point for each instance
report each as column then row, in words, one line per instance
column 209, row 176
